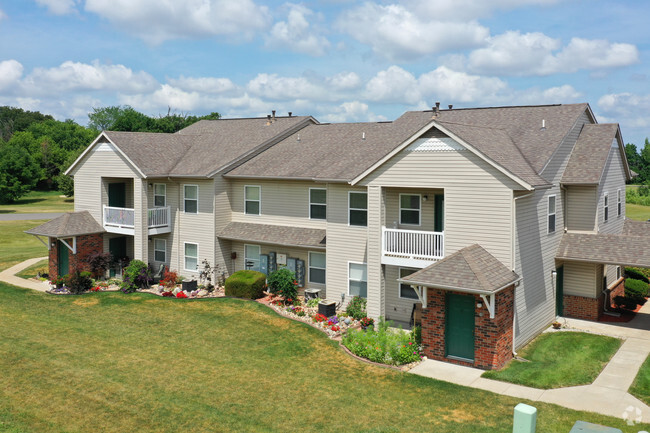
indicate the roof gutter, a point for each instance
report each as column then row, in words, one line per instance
column 303, row 178
column 460, row 289
column 284, row 244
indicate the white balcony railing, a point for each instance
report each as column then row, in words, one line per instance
column 411, row 247
column 122, row 220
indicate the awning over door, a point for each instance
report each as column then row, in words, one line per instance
column 66, row 227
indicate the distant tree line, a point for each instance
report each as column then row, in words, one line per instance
column 639, row 162
column 36, row 149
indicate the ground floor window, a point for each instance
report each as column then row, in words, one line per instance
column 252, row 257
column 317, row 268
column 406, row 291
column 191, row 257
column 358, row 279
column 160, row 250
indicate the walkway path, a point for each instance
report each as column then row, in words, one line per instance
column 607, row 395
column 9, row 276
column 29, row 216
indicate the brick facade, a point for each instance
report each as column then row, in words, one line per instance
column 492, row 337
column 86, row 245
column 581, row 307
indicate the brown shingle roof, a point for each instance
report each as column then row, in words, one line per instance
column 68, row 225
column 605, row 248
column 272, row 234
column 590, row 154
column 471, row 269
column 202, row 148
column 636, row 228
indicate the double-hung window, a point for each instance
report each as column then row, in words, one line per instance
column 159, row 195
column 606, row 207
column 317, row 203
column 159, row 250
column 252, row 257
column 252, row 200
column 619, row 202
column 317, row 268
column 191, row 256
column 409, row 209
column 551, row 214
column 191, row 198
column 406, row 291
column 358, row 279
column 358, row 208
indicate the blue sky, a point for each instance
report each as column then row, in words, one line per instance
column 338, row 60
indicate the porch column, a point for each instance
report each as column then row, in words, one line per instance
column 140, row 238
column 376, row 303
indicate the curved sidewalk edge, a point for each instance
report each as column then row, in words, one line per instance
column 9, row 276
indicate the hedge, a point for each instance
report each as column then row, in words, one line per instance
column 636, row 274
column 246, row 284
column 636, row 290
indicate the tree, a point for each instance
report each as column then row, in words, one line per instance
column 18, row 173
column 125, row 118
column 16, row 119
column 633, row 157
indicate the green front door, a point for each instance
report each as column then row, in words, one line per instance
column 559, row 291
column 459, row 326
column 117, row 248
column 64, row 259
column 117, row 194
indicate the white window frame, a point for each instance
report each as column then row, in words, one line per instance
column 196, row 199
column 259, row 200
column 164, row 196
column 419, row 210
column 350, row 209
column 399, row 285
column 317, row 204
column 619, row 273
column 366, row 281
column 157, row 250
column 605, row 207
column 553, row 214
column 259, row 253
column 309, row 267
column 185, row 256
column 619, row 203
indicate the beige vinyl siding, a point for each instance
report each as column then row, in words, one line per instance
column 427, row 211
column 222, row 216
column 477, row 196
column 168, row 237
column 88, row 185
column 581, row 208
column 581, row 279
column 398, row 309
column 283, row 203
column 535, row 248
column 612, row 180
column 344, row 243
column 611, row 274
column 298, row 253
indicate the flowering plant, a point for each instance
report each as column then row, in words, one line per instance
column 366, row 322
column 319, row 318
column 96, row 289
column 333, row 321
column 168, row 294
column 181, row 295
column 336, row 328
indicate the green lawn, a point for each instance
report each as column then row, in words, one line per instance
column 16, row 246
column 40, row 201
column 32, row 271
column 112, row 362
column 559, row 359
column 637, row 212
column 641, row 386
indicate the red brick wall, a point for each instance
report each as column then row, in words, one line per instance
column 86, row 245
column 584, row 308
column 617, row 290
column 492, row 337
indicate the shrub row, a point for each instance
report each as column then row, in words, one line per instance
column 246, row 284
column 383, row 346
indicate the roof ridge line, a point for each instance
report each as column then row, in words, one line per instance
column 474, row 266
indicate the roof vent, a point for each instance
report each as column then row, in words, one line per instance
column 543, row 128
column 268, row 119
column 450, row 106
column 273, row 112
column 290, row 113
column 363, row 136
column 298, row 138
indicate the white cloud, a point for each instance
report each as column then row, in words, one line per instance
column 444, row 84
column 628, row 108
column 395, row 32
column 156, row 21
column 347, row 112
column 59, row 7
column 344, row 81
column 394, row 85
column 296, row 34
column 203, row 84
column 513, row 53
column 3, row 15
column 10, row 73
column 467, row 9
column 272, row 86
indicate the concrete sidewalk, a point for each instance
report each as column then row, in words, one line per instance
column 9, row 276
column 607, row 395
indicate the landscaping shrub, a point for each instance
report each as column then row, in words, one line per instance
column 78, row 282
column 417, row 335
column 137, row 275
column 98, row 263
column 383, row 346
column 625, row 302
column 246, row 284
column 636, row 289
column 637, row 274
column 283, row 282
column 356, row 308
column 169, row 279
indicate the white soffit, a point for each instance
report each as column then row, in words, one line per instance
column 434, row 144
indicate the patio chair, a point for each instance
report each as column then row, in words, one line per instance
column 158, row 275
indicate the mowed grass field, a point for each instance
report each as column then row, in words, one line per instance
column 112, row 362
column 39, row 202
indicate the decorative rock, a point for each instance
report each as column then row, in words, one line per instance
column 347, row 320
column 202, row 293
column 176, row 290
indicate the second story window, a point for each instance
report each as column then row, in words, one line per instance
column 191, row 198
column 605, row 207
column 358, row 208
column 252, row 200
column 159, row 195
column 619, row 203
column 551, row 214
column 409, row 209
column 317, row 203
column 159, row 250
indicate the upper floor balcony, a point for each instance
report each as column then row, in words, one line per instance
column 411, row 248
column 122, row 220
